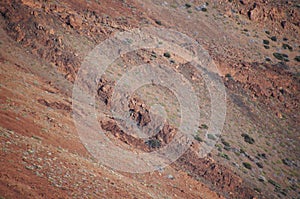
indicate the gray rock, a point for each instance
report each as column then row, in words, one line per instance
column 170, row 177
column 261, row 178
column 236, row 164
column 200, row 8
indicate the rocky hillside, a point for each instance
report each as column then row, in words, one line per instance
column 256, row 49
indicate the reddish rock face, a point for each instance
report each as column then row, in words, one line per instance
column 139, row 112
column 274, row 13
column 105, row 90
column 75, row 21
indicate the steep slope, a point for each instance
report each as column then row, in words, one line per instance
column 43, row 44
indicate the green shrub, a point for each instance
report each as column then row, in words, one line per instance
column 198, row 138
column 266, row 47
column 174, row 5
column 247, row 165
column 242, row 150
column 187, row 5
column 153, row 55
column 211, row 136
column 223, row 155
column 266, row 42
column 167, row 54
column 267, row 32
column 268, row 59
column 297, row 58
column 283, row 192
column 225, row 143
column 287, row 161
column 257, row 189
column 158, row 22
column 248, row 139
column 228, row 75
column 286, row 46
column 262, row 155
column 219, row 147
column 227, row 148
column 275, row 184
column 203, row 126
column 260, row 165
column 153, row 143
column 273, row 38
column 281, row 56
column 204, row 9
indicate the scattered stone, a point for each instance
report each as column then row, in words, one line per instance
column 261, row 178
column 139, row 112
column 105, row 90
column 170, row 177
column 30, row 167
column 160, row 169
column 202, row 8
column 51, row 31
column 30, row 151
column 236, row 164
